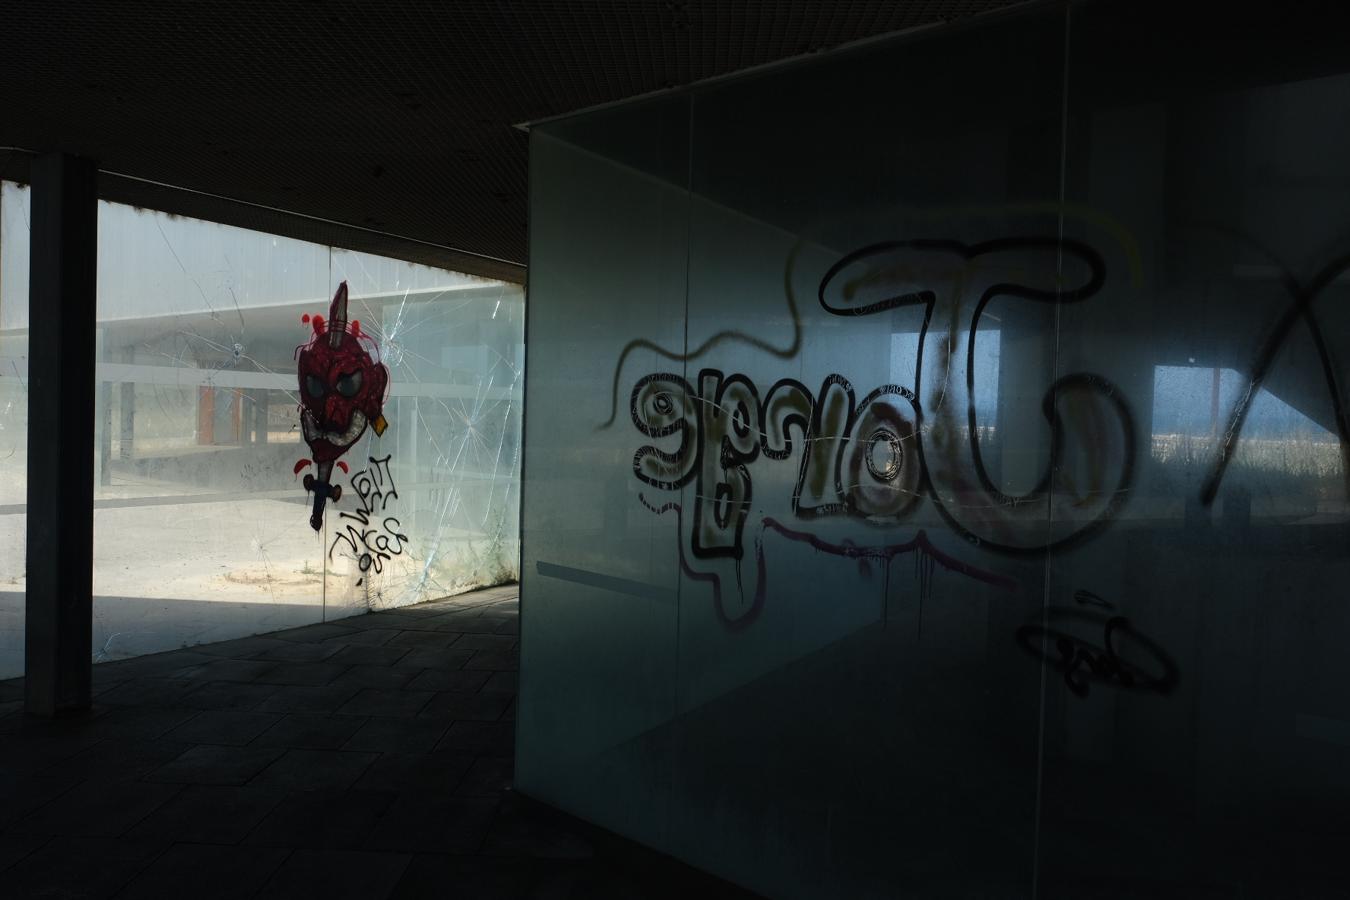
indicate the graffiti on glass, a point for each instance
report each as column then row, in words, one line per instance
column 1088, row 646
column 368, row 535
column 877, row 459
column 342, row 391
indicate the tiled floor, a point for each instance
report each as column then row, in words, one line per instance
column 366, row 758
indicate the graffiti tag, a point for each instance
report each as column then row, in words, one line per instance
column 371, row 537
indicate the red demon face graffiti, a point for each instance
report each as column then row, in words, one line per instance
column 342, row 385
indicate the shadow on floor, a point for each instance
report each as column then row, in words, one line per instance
column 368, row 758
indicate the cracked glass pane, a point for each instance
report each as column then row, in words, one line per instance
column 435, row 498
column 202, row 500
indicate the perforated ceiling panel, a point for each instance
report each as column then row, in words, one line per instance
column 395, row 116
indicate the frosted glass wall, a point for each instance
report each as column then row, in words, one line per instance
column 201, row 520
column 935, row 488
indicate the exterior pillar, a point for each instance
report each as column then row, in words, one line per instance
column 260, row 398
column 127, row 443
column 61, row 392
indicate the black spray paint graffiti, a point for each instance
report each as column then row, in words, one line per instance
column 1301, row 296
column 873, row 461
column 371, row 538
column 1125, row 659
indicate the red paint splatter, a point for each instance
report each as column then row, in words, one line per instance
column 305, row 318
column 356, row 327
column 343, row 466
column 317, row 322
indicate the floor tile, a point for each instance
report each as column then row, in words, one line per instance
column 338, row 875
column 433, row 823
column 368, row 655
column 229, row 695
column 241, row 648
column 464, row 705
column 293, row 651
column 14, row 847
column 313, row 633
column 211, row 871
column 97, row 809
column 227, row 670
column 118, row 760
column 439, row 771
column 527, row 830
column 149, row 692
column 308, row 699
column 223, row 726
column 26, row 753
column 208, row 814
column 22, row 794
column 316, row 764
column 424, row 640
column 314, row 674
column 482, row 738
column 436, row 659
column 213, row 764
column 473, row 876
column 79, row 868
column 310, row 732
column 323, row 819
column 375, row 702
column 372, row 635
column 489, row 776
column 479, row 625
column 502, row 683
column 154, row 664
column 495, row 660
column 402, row 735
column 139, row 723
column 484, row 642
column 377, row 676
column 310, row 770
column 449, row 680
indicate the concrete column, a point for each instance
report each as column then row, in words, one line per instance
column 260, row 416
column 62, row 284
column 127, row 445
column 105, row 436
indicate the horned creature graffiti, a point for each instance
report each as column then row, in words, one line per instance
column 342, row 392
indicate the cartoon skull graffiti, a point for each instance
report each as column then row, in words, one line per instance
column 342, row 388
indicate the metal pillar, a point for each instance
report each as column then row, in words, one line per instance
column 61, row 435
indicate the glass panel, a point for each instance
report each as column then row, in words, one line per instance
column 852, row 722
column 14, row 230
column 199, row 525
column 1075, row 367
column 201, row 518
column 1198, row 704
column 608, row 222
column 455, row 352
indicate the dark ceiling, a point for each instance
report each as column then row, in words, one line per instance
column 396, row 117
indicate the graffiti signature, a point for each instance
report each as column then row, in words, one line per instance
column 1125, row 659
column 371, row 538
